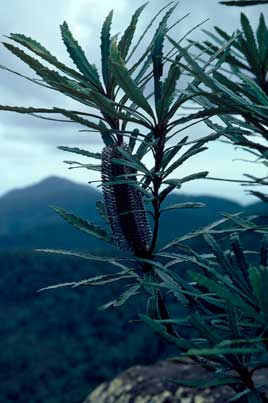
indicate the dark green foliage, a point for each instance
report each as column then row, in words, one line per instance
column 56, row 346
column 240, row 95
column 227, row 311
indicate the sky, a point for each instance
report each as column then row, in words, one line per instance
column 29, row 145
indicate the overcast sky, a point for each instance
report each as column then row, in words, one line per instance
column 28, row 145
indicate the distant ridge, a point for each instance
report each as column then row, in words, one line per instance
column 27, row 221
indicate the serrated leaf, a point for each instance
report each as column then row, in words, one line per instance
column 162, row 331
column 262, row 37
column 133, row 159
column 41, row 51
column 217, row 381
column 113, row 260
column 249, row 45
column 224, row 293
column 83, row 225
column 51, row 77
column 188, row 178
column 188, row 154
column 144, row 146
column 153, row 307
column 157, row 58
column 160, row 27
column 243, row 3
column 106, row 135
column 215, row 351
column 130, row 292
column 126, row 40
column 92, row 281
column 169, row 87
column 100, row 208
column 137, row 64
column 132, row 140
column 131, row 164
column 258, row 277
column 79, row 151
column 125, row 81
column 170, row 153
column 78, row 57
column 183, row 206
column 240, row 259
column 105, row 49
column 92, row 167
column 196, row 69
column 255, row 90
column 84, row 122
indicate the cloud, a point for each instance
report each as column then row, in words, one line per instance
column 29, row 144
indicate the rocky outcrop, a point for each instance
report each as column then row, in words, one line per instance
column 151, row 384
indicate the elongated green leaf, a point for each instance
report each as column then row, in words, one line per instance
column 41, row 51
column 196, row 69
column 144, row 146
column 133, row 158
column 131, row 164
column 130, row 292
column 217, row 381
column 84, row 122
column 170, row 153
column 188, row 154
column 229, row 57
column 92, row 167
column 228, row 37
column 126, row 40
column 162, row 24
column 78, row 57
column 106, row 105
column 204, row 330
column 54, row 79
column 93, row 281
column 240, row 259
column 193, row 234
column 255, row 90
column 105, row 49
column 157, row 58
column 106, row 135
column 169, row 87
column 113, row 260
column 100, row 208
column 132, row 140
column 188, row 178
column 162, row 331
column 125, row 81
column 249, row 46
column 206, row 352
column 143, row 35
column 259, row 279
column 262, row 37
column 83, row 225
column 183, row 206
column 79, row 151
column 224, row 293
column 243, row 3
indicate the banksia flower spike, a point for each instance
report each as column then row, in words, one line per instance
column 124, row 205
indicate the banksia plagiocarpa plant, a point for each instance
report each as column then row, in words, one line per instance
column 136, row 108
column 124, row 204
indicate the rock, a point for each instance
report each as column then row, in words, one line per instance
column 151, row 384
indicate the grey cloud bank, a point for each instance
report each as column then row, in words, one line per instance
column 28, row 151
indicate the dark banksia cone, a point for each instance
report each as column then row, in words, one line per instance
column 124, row 205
